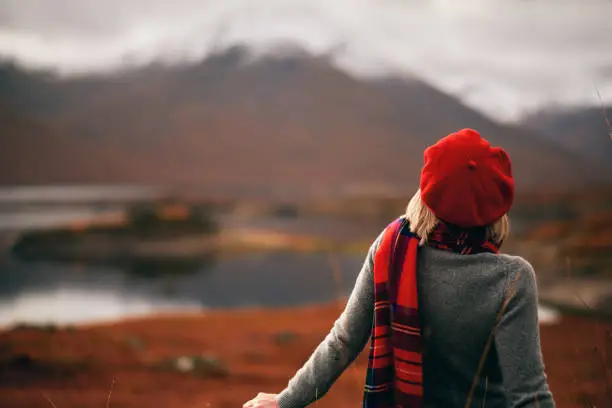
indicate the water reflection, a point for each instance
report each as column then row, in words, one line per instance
column 160, row 268
column 55, row 292
column 75, row 305
column 43, row 292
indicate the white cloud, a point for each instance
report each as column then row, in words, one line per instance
column 500, row 56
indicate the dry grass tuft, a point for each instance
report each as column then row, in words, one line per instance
column 110, row 392
column 601, row 353
column 108, row 398
column 48, row 400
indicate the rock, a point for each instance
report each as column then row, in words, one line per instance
column 206, row 364
column 185, row 364
column 211, row 365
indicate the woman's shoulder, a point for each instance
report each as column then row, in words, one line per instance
column 517, row 263
column 520, row 274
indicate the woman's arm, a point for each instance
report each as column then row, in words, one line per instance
column 518, row 343
column 342, row 345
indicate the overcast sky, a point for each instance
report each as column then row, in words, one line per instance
column 503, row 57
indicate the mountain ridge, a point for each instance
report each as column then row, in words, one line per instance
column 583, row 130
column 280, row 120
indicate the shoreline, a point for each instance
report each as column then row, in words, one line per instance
column 549, row 314
column 572, row 298
column 194, row 247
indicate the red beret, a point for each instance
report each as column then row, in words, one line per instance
column 465, row 181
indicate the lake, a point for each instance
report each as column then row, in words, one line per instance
column 58, row 293
column 64, row 293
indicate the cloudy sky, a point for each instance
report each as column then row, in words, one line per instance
column 503, row 57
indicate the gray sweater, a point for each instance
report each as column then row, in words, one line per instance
column 460, row 298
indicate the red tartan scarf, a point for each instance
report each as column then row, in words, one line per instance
column 395, row 369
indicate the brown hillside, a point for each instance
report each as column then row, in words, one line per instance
column 582, row 130
column 290, row 120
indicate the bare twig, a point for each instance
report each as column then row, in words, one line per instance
column 569, row 270
column 601, row 354
column 604, row 113
column 568, row 262
column 48, row 400
column 483, row 357
column 110, row 392
column 484, row 400
column 607, row 373
column 603, row 357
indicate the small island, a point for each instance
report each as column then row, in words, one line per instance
column 156, row 231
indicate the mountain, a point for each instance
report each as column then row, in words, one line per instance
column 584, row 131
column 286, row 120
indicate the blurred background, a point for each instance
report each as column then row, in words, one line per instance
column 175, row 175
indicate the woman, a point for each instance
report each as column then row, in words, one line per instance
column 471, row 336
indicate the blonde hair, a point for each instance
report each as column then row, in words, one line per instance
column 423, row 221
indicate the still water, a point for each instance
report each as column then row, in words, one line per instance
column 42, row 293
column 63, row 293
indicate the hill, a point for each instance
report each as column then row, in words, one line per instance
column 581, row 130
column 282, row 121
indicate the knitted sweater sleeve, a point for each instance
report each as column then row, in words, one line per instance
column 347, row 338
column 518, row 343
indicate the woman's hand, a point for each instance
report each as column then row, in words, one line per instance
column 262, row 400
